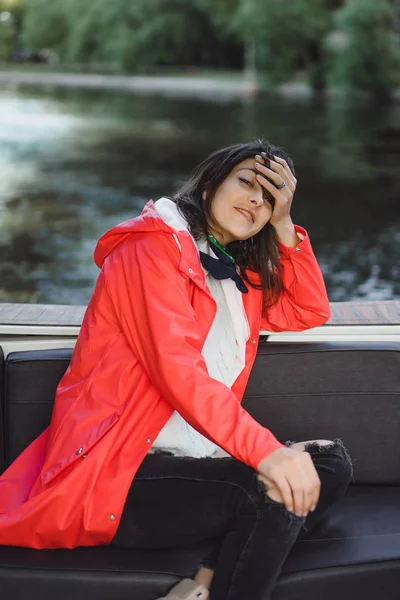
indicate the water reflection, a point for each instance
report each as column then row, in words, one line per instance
column 76, row 162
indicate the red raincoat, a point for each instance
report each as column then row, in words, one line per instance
column 137, row 358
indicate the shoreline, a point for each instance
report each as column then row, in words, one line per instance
column 174, row 86
column 198, row 87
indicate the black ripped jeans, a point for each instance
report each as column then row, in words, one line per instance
column 175, row 501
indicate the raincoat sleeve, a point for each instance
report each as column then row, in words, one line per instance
column 304, row 301
column 151, row 297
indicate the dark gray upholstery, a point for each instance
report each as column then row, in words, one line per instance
column 326, row 390
column 355, row 554
column 300, row 391
column 31, row 381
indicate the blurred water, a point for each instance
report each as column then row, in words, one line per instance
column 73, row 163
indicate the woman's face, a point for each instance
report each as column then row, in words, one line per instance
column 238, row 207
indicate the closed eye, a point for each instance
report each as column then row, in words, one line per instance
column 246, row 181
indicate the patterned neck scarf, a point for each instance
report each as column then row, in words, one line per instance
column 222, row 267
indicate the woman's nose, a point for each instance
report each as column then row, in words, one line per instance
column 257, row 200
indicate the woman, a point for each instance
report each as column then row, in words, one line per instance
column 148, row 445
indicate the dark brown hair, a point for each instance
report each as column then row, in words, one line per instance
column 260, row 253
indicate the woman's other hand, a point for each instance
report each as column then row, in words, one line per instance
column 293, row 473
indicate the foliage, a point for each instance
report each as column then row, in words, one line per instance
column 137, row 35
column 9, row 27
column 282, row 31
column 223, row 13
column 152, row 32
column 5, row 42
column 45, row 24
column 131, row 34
column 369, row 58
column 10, row 5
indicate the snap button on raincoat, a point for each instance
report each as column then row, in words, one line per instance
column 137, row 359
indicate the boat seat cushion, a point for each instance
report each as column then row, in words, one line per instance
column 324, row 390
column 31, row 378
column 355, row 552
column 299, row 391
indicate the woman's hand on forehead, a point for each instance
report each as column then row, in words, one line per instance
column 275, row 176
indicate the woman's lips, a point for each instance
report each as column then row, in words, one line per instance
column 246, row 214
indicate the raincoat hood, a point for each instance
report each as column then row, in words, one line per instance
column 162, row 215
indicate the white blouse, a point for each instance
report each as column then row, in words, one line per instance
column 223, row 351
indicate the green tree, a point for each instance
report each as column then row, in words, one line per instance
column 132, row 35
column 284, row 32
column 225, row 14
column 143, row 33
column 45, row 24
column 276, row 34
column 11, row 13
column 368, row 55
column 5, row 41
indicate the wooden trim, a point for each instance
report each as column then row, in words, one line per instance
column 343, row 313
column 375, row 312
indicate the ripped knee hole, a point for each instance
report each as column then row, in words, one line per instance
column 270, row 489
column 302, row 445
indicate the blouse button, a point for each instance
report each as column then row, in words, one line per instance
column 112, row 517
column 253, row 341
column 79, row 451
column 190, row 271
column 297, row 249
column 148, row 441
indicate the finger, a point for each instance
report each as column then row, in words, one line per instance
column 264, row 158
column 298, row 497
column 314, row 482
column 299, row 484
column 296, row 478
column 309, row 492
column 283, row 175
column 312, row 495
column 280, row 164
column 303, row 484
column 263, row 170
column 286, row 492
column 277, row 178
column 316, row 487
column 309, row 496
column 275, row 193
